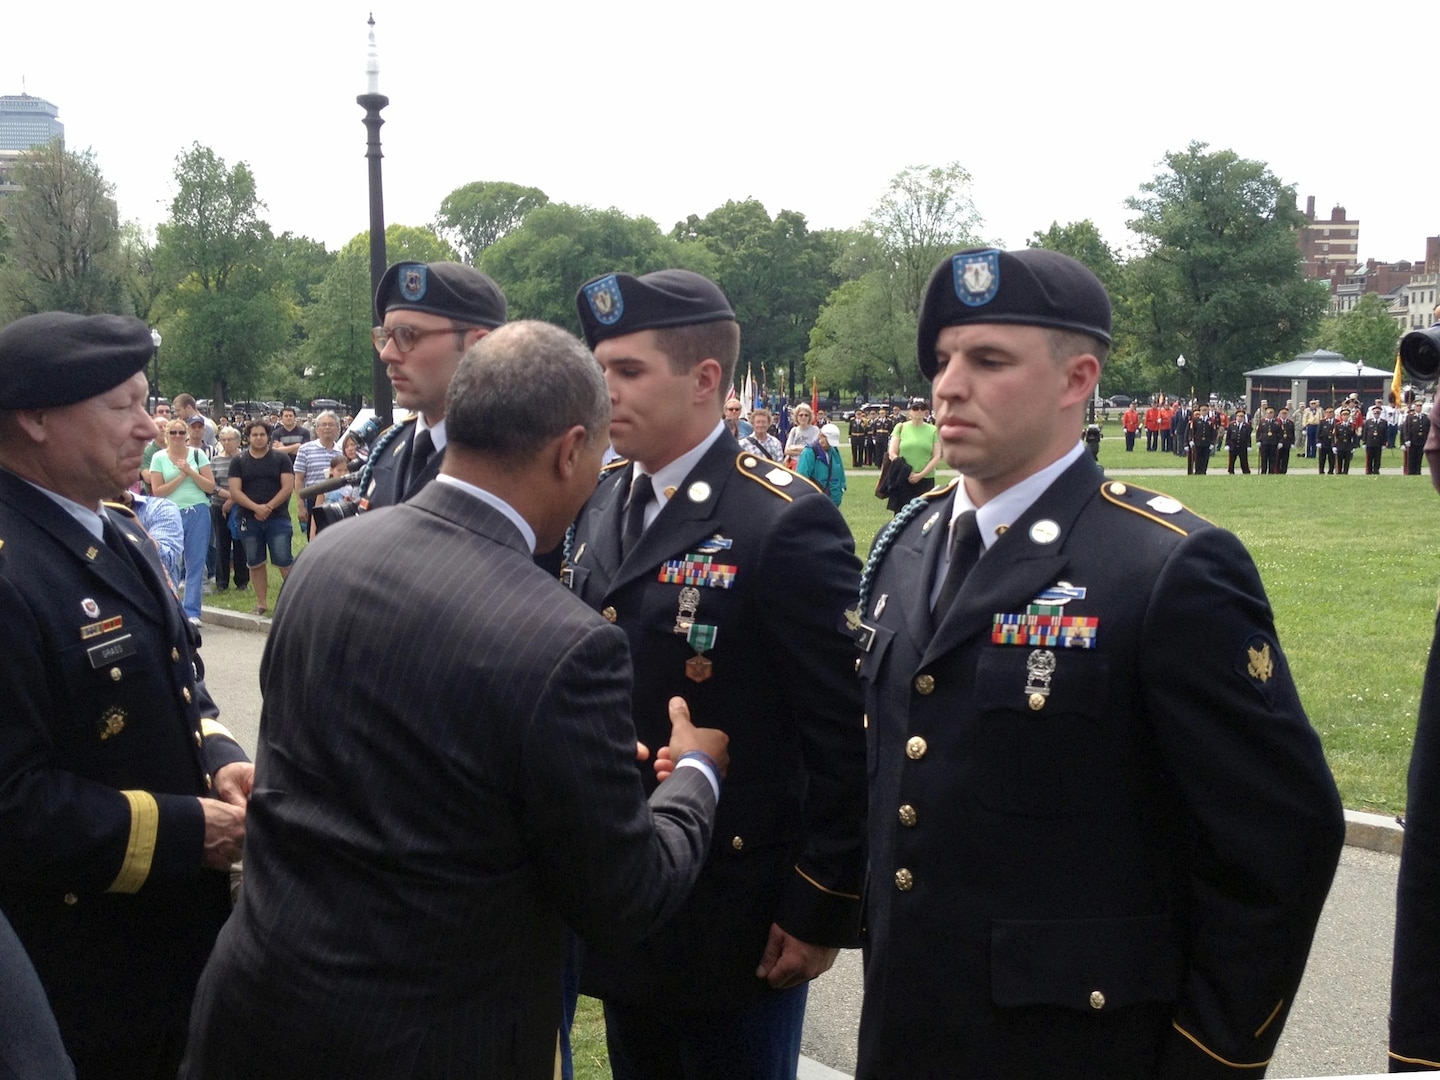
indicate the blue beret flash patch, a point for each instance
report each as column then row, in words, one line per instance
column 605, row 300
column 413, row 282
column 977, row 277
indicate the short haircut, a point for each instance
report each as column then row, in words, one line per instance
column 756, row 412
column 288, row 408
column 519, row 387
column 253, row 424
column 182, row 401
column 322, row 415
column 1067, row 343
column 686, row 346
column 227, row 431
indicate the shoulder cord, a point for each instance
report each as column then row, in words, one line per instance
column 882, row 544
column 386, row 438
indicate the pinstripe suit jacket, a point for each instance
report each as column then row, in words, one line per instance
column 445, row 777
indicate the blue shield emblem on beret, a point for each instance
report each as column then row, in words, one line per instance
column 606, row 303
column 977, row 277
column 413, row 280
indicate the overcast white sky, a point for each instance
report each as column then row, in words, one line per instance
column 1058, row 110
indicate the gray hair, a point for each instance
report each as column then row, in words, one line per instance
column 227, row 430
column 522, row 385
column 330, row 413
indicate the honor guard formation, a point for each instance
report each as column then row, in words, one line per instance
column 583, row 689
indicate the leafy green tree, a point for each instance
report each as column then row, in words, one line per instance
column 863, row 341
column 225, row 315
column 860, row 335
column 478, row 214
column 1367, row 332
column 64, row 248
column 542, row 264
column 1125, row 370
column 925, row 214
column 337, row 353
column 1220, row 279
column 776, row 274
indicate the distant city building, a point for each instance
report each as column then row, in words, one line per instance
column 1329, row 250
column 27, row 121
column 1414, row 305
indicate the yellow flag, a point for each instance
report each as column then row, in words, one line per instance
column 1396, row 382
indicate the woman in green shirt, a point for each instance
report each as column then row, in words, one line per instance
column 919, row 444
column 183, row 475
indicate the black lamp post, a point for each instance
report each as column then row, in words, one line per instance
column 372, row 101
column 155, row 370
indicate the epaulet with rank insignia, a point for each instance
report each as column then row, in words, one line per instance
column 770, row 475
column 122, row 508
column 1152, row 505
column 888, row 534
column 614, row 466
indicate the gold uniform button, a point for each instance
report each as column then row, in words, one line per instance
column 209, row 782
column 904, row 880
column 115, row 675
column 857, row 665
column 71, row 899
column 175, row 654
column 185, row 693
column 738, row 843
column 916, row 747
column 1097, row 999
column 609, row 614
column 925, row 684
column 199, row 739
column 1037, row 702
column 865, row 720
column 907, row 816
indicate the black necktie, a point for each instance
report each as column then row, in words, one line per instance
column 965, row 550
column 641, row 492
column 420, row 451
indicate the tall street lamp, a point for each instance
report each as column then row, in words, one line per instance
column 372, row 101
column 155, row 370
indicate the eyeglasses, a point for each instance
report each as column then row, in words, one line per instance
column 175, row 431
column 407, row 337
column 732, row 408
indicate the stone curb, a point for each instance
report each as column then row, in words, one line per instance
column 1373, row 831
column 236, row 620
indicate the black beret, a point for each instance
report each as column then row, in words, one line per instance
column 1031, row 287
column 56, row 358
column 449, row 289
column 617, row 304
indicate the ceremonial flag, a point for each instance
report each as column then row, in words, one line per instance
column 1396, row 382
column 814, row 396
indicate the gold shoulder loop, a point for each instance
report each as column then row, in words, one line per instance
column 1151, row 505
column 618, row 463
column 122, row 508
column 941, row 492
column 771, row 475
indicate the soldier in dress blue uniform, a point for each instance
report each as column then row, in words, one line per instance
column 430, row 314
column 121, row 797
column 731, row 575
column 1096, row 850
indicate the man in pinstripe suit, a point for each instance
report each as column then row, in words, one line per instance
column 446, row 771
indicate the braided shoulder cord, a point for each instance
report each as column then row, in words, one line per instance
column 882, row 544
column 566, row 548
column 386, row 438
